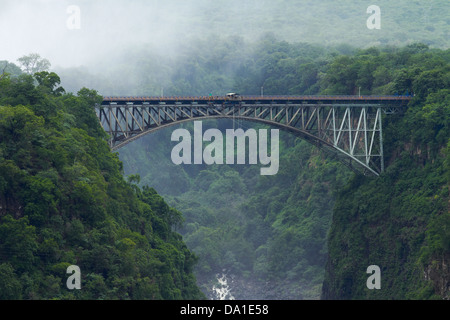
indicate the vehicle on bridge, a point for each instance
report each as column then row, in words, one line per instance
column 233, row 96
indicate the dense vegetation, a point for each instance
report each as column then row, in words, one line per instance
column 64, row 201
column 272, row 231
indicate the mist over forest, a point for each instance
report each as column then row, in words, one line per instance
column 119, row 45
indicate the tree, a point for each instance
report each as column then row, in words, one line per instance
column 9, row 69
column 10, row 286
column 49, row 81
column 18, row 243
column 33, row 63
column 3, row 71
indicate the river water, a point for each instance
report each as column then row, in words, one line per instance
column 222, row 291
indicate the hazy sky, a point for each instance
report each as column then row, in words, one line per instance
column 41, row 26
column 47, row 27
column 51, row 28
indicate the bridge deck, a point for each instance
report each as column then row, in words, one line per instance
column 332, row 99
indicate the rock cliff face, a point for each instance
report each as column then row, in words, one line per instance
column 438, row 272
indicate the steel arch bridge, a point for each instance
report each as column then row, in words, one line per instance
column 348, row 126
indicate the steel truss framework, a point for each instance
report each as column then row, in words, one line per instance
column 349, row 127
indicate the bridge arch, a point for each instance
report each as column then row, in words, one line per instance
column 347, row 126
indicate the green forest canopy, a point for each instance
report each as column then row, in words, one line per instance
column 64, row 201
